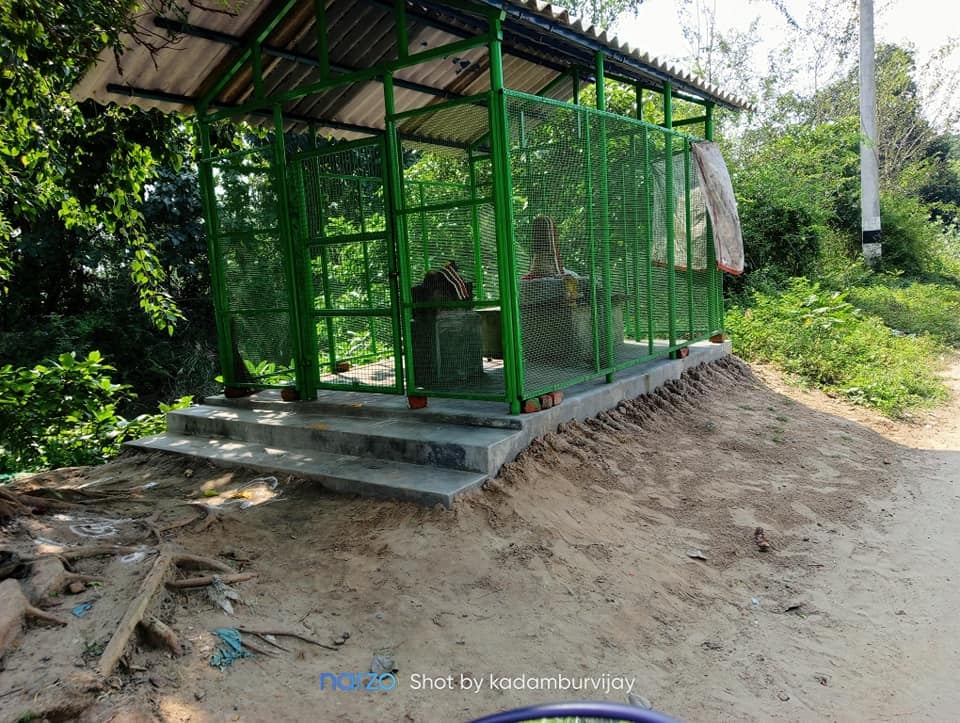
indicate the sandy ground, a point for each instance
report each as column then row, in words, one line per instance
column 575, row 561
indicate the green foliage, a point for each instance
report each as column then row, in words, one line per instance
column 906, row 140
column 64, row 412
column 602, row 13
column 78, row 171
column 909, row 237
column 913, row 307
column 794, row 188
column 823, row 339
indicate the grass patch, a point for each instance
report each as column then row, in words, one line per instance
column 914, row 307
column 821, row 338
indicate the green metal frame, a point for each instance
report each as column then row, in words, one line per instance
column 323, row 242
column 604, row 182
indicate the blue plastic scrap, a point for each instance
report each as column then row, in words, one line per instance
column 231, row 649
column 81, row 609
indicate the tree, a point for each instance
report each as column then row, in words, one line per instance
column 904, row 135
column 70, row 170
column 602, row 13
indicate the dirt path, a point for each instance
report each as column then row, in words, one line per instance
column 574, row 562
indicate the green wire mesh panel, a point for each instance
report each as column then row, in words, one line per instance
column 700, row 241
column 555, row 243
column 449, row 254
column 661, row 308
column 342, row 227
column 250, row 264
column 592, row 213
column 629, row 254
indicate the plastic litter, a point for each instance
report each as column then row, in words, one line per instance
column 231, row 649
column 133, row 557
column 754, row 601
column 271, row 482
column 150, row 485
column 82, row 609
column 383, row 663
column 221, row 594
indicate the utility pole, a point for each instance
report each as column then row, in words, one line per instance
column 869, row 164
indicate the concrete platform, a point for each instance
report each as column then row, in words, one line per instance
column 373, row 444
column 338, row 472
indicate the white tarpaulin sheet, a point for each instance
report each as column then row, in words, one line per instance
column 698, row 218
column 721, row 205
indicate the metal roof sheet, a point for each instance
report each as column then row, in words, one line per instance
column 540, row 42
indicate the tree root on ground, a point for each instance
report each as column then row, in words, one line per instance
column 161, row 634
column 285, row 633
column 14, row 608
column 137, row 612
column 13, row 504
column 205, row 580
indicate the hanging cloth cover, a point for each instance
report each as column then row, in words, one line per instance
column 698, row 218
column 721, row 205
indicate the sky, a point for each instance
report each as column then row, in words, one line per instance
column 897, row 21
column 926, row 24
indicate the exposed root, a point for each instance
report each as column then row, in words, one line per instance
column 162, row 569
column 285, row 633
column 19, row 503
column 257, row 649
column 14, row 608
column 39, row 614
column 186, row 560
column 208, row 579
column 161, row 634
column 135, row 612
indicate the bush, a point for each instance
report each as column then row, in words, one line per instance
column 913, row 307
column 821, row 338
column 909, row 237
column 792, row 190
column 64, row 413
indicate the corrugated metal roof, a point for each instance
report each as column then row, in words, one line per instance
column 540, row 42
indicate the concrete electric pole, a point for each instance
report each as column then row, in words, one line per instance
column 869, row 164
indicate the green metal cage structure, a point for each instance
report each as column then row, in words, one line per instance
column 406, row 256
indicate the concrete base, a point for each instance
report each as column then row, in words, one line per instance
column 373, row 444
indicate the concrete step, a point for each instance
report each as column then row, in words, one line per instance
column 338, row 472
column 476, row 449
column 370, row 405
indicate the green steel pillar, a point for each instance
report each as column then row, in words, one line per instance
column 631, row 196
column 304, row 271
column 305, row 363
column 503, row 194
column 605, row 223
column 646, row 203
column 323, row 47
column 220, row 305
column 669, row 213
column 648, row 232
column 715, row 283
column 688, row 233
column 401, row 298
column 257, row 63
column 400, row 20
column 591, row 236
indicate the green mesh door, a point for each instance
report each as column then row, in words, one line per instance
column 250, row 271
column 344, row 238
